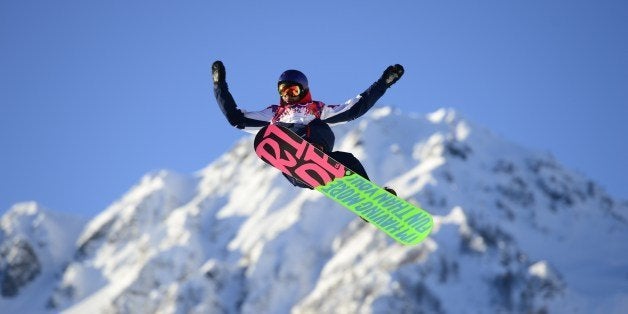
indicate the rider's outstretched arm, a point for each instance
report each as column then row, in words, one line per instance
column 228, row 106
column 358, row 106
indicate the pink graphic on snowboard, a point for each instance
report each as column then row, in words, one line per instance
column 296, row 157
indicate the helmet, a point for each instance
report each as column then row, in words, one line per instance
column 294, row 77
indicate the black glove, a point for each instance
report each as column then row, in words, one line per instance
column 392, row 74
column 218, row 72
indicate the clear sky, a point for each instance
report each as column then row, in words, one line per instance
column 94, row 94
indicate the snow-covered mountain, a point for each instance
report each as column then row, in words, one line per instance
column 35, row 246
column 514, row 232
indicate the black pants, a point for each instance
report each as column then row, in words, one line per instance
column 344, row 158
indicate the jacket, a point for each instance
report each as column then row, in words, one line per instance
column 310, row 119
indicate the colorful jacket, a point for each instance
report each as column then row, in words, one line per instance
column 308, row 118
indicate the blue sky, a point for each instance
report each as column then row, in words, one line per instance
column 94, row 94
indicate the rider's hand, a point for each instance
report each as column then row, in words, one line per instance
column 218, row 72
column 392, row 74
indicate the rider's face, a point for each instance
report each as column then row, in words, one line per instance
column 290, row 93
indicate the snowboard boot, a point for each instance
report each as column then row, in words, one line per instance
column 389, row 190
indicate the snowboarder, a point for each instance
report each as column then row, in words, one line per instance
column 297, row 111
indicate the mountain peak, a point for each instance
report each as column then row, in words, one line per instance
column 444, row 115
column 26, row 211
column 33, row 221
column 35, row 244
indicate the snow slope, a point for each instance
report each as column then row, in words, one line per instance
column 35, row 246
column 515, row 232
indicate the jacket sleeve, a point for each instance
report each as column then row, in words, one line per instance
column 237, row 117
column 356, row 107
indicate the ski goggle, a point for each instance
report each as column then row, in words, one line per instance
column 290, row 90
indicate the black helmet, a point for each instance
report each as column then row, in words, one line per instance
column 294, row 77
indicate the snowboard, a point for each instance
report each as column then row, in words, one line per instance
column 294, row 156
